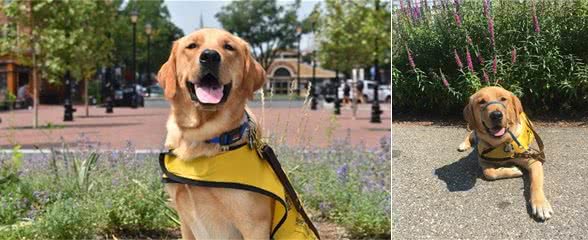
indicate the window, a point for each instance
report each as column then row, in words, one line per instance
column 282, row 72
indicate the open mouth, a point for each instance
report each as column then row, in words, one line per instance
column 208, row 90
column 496, row 131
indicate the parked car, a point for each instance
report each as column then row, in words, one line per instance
column 384, row 91
column 129, row 96
column 156, row 90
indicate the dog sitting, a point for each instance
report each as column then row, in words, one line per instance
column 502, row 134
column 223, row 181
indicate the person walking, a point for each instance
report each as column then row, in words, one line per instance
column 346, row 93
column 359, row 93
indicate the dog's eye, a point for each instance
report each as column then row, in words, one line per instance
column 503, row 99
column 482, row 101
column 192, row 46
column 228, row 47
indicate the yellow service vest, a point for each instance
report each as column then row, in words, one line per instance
column 508, row 150
column 243, row 169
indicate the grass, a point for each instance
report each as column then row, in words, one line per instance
column 94, row 194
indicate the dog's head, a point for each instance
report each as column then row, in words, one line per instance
column 492, row 111
column 210, row 67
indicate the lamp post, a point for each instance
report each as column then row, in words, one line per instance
column 299, row 35
column 313, row 101
column 148, row 31
column 108, row 90
column 134, row 98
column 337, row 107
column 375, row 118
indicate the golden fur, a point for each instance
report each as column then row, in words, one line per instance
column 212, row 213
column 478, row 120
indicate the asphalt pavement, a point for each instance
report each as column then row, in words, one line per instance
column 438, row 193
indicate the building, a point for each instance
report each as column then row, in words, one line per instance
column 13, row 74
column 282, row 74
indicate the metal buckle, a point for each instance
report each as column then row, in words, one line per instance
column 224, row 148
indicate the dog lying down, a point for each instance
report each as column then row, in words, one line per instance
column 224, row 182
column 503, row 134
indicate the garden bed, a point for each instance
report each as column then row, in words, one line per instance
column 86, row 193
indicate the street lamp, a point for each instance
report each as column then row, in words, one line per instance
column 108, row 89
column 375, row 118
column 148, row 31
column 313, row 101
column 299, row 35
column 337, row 107
column 134, row 98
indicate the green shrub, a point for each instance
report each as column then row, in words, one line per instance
column 67, row 219
column 135, row 209
column 346, row 185
column 544, row 64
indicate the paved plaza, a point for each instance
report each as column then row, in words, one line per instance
column 287, row 123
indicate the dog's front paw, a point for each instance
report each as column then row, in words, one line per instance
column 463, row 147
column 541, row 209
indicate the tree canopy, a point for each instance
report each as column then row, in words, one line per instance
column 353, row 33
column 268, row 26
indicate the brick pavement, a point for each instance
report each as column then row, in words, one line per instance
column 145, row 127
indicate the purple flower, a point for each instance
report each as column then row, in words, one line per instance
column 417, row 8
column 513, row 56
column 480, row 58
column 486, row 8
column 457, row 59
column 486, row 78
column 491, row 30
column 535, row 19
column 457, row 19
column 410, row 59
column 444, row 80
column 343, row 172
column 403, row 8
column 469, row 60
column 494, row 63
column 536, row 24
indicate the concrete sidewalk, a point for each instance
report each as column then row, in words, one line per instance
column 438, row 193
column 144, row 128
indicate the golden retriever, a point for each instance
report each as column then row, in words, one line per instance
column 207, row 79
column 498, row 123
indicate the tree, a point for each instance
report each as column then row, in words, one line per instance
column 265, row 24
column 62, row 36
column 81, row 36
column 164, row 33
column 349, row 30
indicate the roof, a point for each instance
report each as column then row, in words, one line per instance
column 305, row 69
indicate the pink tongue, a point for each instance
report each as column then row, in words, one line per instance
column 209, row 95
column 500, row 133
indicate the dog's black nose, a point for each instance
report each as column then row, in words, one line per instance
column 210, row 58
column 496, row 115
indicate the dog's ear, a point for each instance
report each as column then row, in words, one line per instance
column 468, row 115
column 166, row 77
column 253, row 74
column 517, row 106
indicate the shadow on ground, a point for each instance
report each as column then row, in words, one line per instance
column 462, row 174
column 59, row 126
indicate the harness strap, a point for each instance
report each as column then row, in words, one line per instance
column 539, row 154
column 529, row 153
column 269, row 155
column 491, row 103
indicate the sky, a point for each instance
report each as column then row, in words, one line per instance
column 186, row 14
